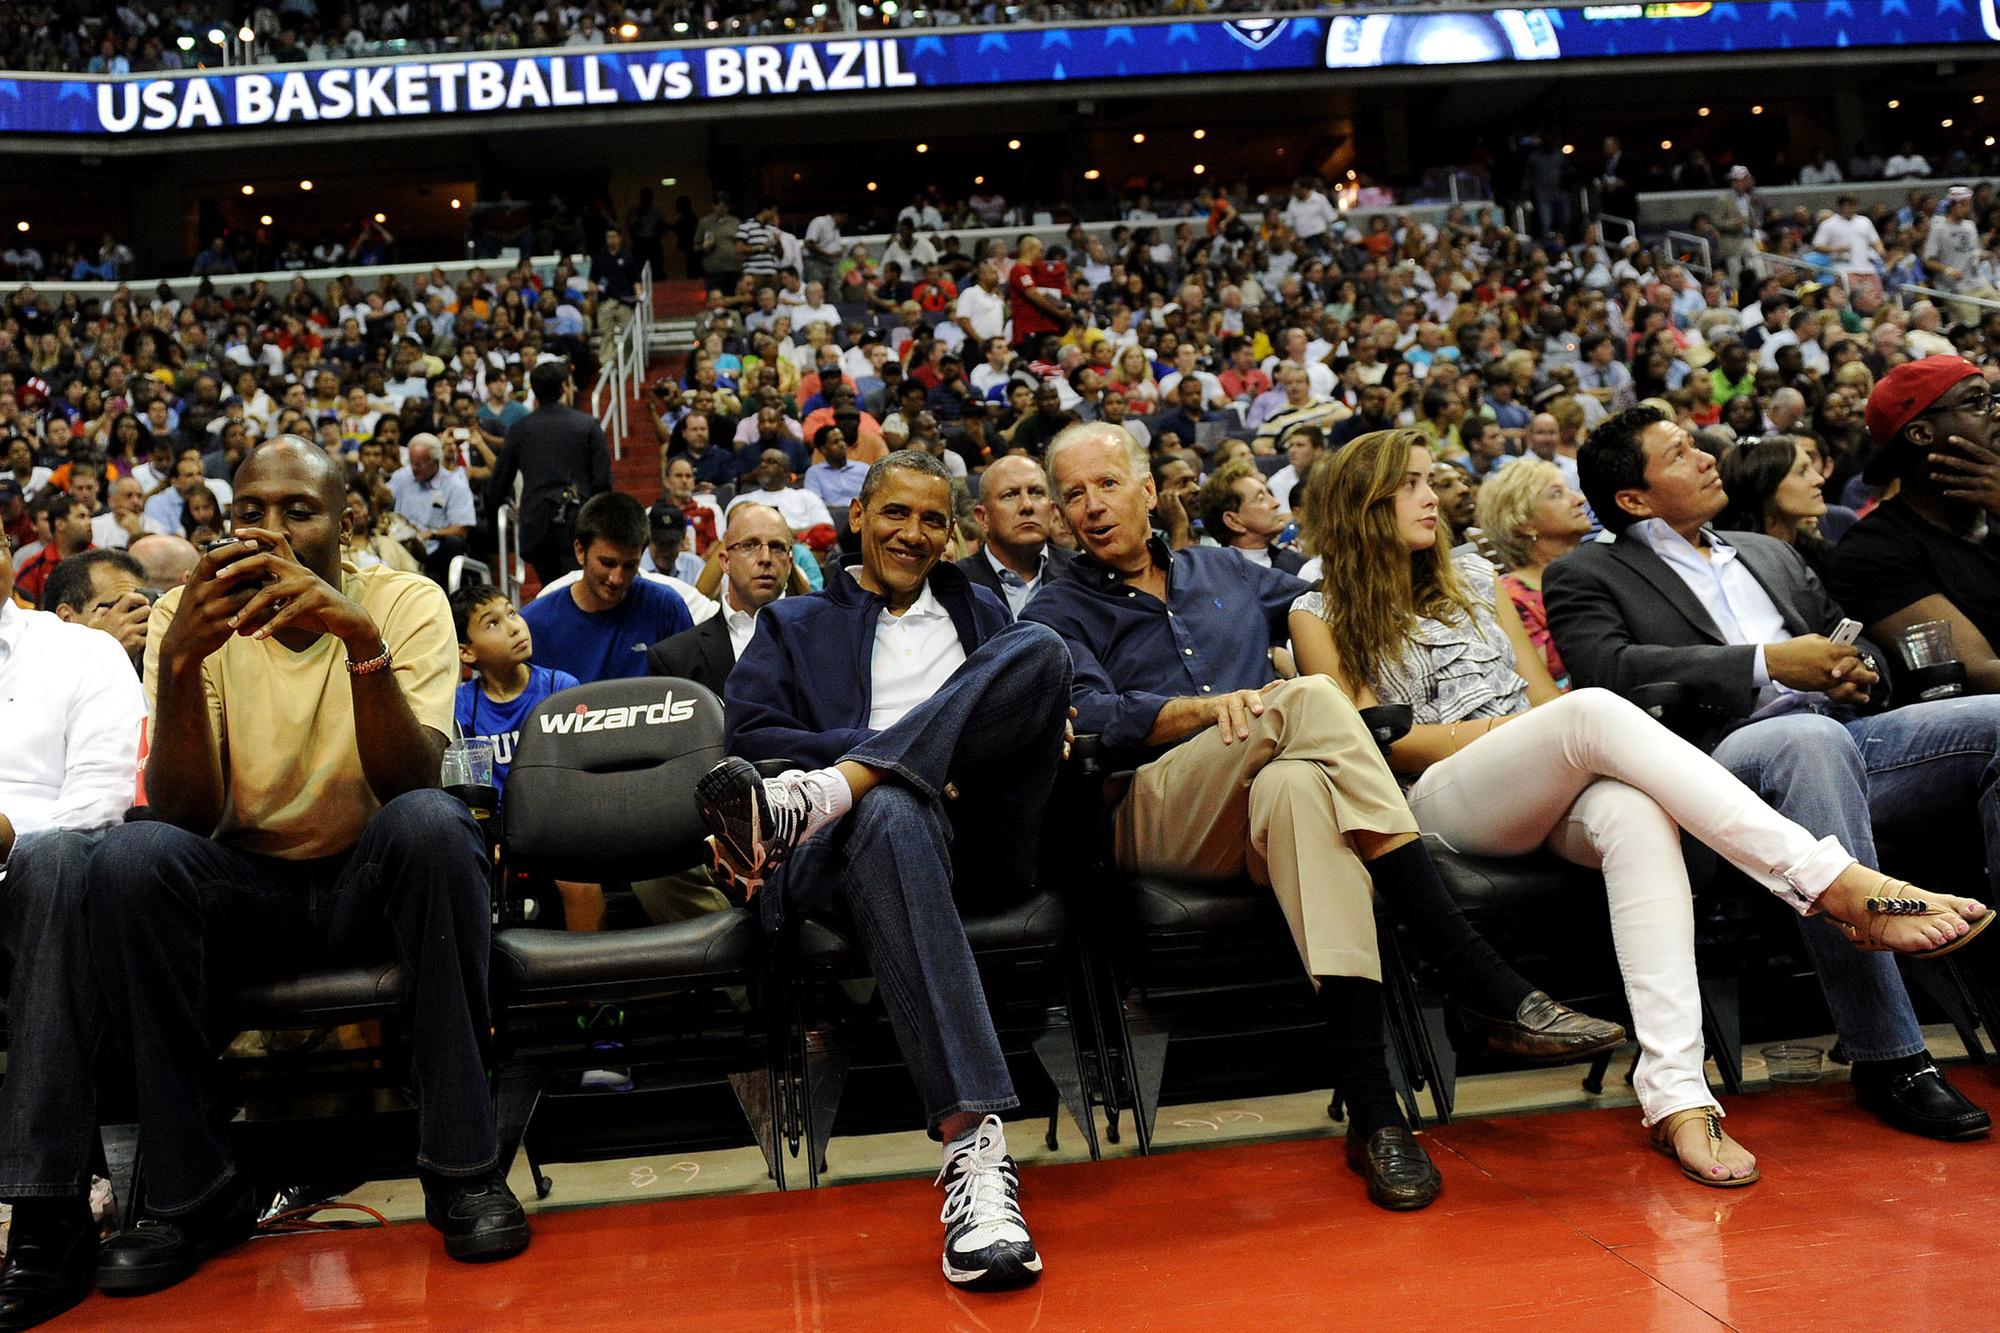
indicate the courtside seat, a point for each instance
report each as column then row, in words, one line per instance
column 322, row 998
column 558, row 965
column 601, row 790
column 1038, row 922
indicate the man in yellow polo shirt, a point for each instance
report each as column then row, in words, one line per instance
column 300, row 709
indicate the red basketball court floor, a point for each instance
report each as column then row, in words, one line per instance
column 1555, row 1221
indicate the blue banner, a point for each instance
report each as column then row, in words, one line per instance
column 422, row 87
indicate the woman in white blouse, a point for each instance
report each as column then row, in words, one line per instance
column 1503, row 762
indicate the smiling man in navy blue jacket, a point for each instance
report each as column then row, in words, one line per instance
column 902, row 686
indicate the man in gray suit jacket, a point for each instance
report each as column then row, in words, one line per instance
column 1015, row 517
column 1749, row 628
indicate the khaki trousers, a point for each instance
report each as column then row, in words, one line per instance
column 1279, row 807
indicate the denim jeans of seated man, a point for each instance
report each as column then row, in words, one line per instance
column 908, row 855
column 176, row 921
column 1898, row 774
column 55, row 1018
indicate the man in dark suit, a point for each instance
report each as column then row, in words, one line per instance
column 1016, row 556
column 1751, row 630
column 756, row 565
column 561, row 458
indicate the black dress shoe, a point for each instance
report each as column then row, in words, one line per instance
column 479, row 1216
column 51, row 1263
column 1399, row 1172
column 1921, row 1103
column 158, row 1252
column 1541, row 1029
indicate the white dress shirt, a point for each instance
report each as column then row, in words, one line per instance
column 71, row 711
column 742, row 625
column 1734, row 600
column 915, row 653
column 106, row 533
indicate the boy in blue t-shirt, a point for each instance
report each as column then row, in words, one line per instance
column 505, row 688
column 599, row 627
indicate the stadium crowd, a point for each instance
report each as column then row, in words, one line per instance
column 924, row 516
column 138, row 38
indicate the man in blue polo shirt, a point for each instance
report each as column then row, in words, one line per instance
column 600, row 626
column 1277, row 779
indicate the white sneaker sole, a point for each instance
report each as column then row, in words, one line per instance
column 999, row 1278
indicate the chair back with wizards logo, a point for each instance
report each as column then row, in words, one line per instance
column 603, row 779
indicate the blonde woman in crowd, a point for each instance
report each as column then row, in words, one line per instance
column 1530, row 516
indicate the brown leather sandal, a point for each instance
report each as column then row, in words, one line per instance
column 1883, row 910
column 1663, row 1140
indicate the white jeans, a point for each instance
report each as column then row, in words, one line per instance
column 1603, row 785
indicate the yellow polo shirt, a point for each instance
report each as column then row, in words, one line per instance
column 291, row 770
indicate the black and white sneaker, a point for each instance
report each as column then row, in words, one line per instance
column 757, row 822
column 986, row 1242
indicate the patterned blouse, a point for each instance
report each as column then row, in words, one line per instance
column 1452, row 672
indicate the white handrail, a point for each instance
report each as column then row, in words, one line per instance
column 503, row 529
column 185, row 286
column 1706, row 266
column 1929, row 293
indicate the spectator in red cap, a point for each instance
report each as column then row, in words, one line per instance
column 1928, row 551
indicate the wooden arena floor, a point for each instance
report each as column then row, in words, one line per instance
column 1552, row 1221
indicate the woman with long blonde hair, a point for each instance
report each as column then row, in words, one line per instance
column 1503, row 763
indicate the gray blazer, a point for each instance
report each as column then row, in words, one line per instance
column 1621, row 618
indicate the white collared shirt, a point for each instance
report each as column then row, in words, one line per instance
column 1015, row 589
column 915, row 653
column 71, row 710
column 741, row 624
column 1733, row 598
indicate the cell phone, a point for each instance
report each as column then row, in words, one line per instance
column 1846, row 632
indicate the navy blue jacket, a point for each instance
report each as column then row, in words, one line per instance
column 803, row 688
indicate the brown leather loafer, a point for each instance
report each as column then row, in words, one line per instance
column 1541, row 1029
column 1400, row 1174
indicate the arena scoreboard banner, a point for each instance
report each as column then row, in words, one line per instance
column 420, row 87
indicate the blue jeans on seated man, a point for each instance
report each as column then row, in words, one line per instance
column 907, row 854
column 48, row 1101
column 1895, row 773
column 177, row 921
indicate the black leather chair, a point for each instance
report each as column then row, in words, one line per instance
column 602, row 790
column 1202, row 960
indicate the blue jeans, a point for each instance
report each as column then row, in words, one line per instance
column 48, row 1101
column 1898, row 772
column 906, row 855
column 176, row 920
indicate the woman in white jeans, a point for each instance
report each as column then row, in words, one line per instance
column 1504, row 763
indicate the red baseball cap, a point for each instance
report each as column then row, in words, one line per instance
column 1903, row 395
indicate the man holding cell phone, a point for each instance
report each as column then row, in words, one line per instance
column 300, row 709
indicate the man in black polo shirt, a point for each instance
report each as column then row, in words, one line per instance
column 1930, row 552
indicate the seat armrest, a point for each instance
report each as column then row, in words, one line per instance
column 1090, row 757
column 1387, row 723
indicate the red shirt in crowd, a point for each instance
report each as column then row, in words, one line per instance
column 1030, row 320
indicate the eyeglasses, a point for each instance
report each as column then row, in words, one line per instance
column 1978, row 405
column 750, row 546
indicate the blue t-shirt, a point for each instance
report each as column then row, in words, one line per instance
column 605, row 645
column 479, row 716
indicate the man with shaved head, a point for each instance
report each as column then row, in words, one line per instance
column 299, row 712
column 166, row 559
column 1014, row 518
